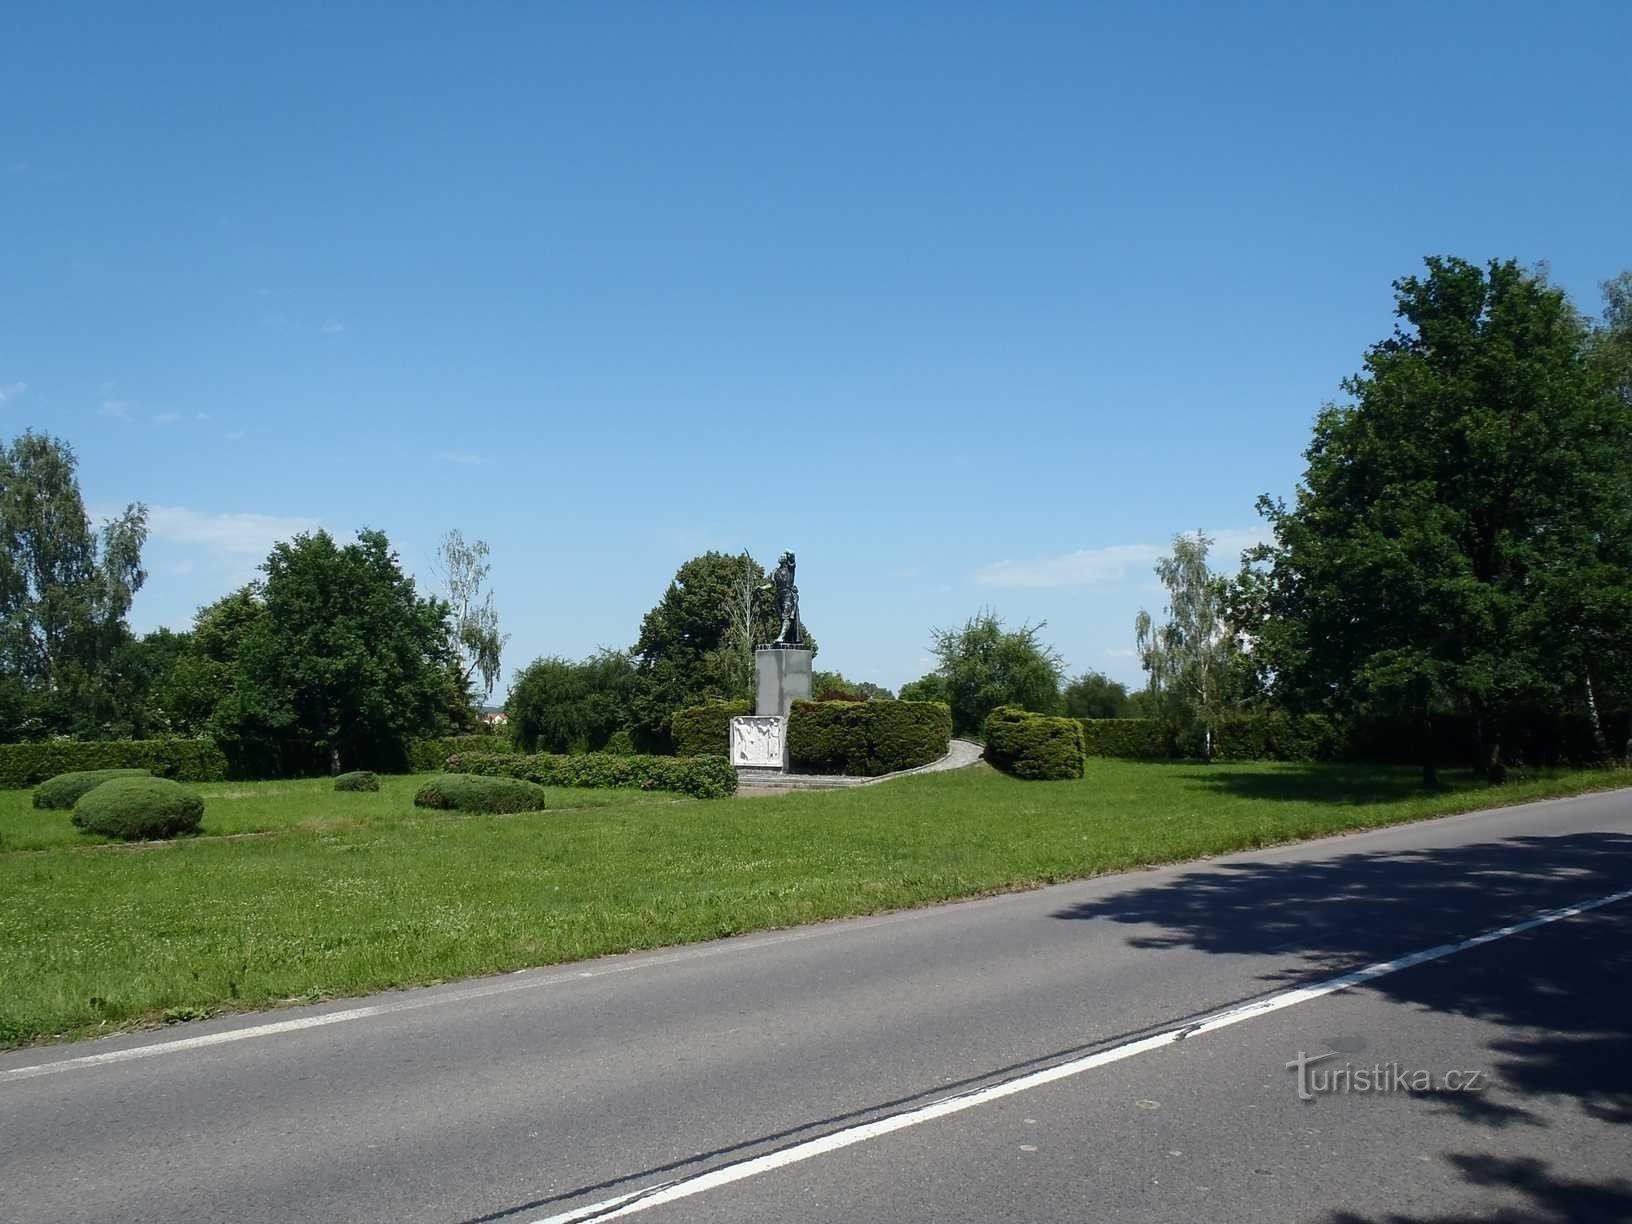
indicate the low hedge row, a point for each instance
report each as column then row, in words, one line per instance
column 702, row 777
column 1139, row 739
column 430, row 755
column 1236, row 737
column 705, row 730
column 866, row 738
column 1038, row 747
column 185, row 760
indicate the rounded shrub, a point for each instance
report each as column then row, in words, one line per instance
column 473, row 793
column 357, row 780
column 64, row 790
column 620, row 744
column 139, row 809
column 1034, row 746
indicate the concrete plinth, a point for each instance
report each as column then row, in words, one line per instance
column 784, row 678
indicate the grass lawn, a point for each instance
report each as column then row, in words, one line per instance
column 339, row 894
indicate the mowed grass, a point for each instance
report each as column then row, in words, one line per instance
column 342, row 894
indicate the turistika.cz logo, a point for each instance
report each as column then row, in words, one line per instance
column 1379, row 1078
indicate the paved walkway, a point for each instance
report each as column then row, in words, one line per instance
column 752, row 785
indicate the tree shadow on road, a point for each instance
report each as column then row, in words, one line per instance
column 1564, row 1007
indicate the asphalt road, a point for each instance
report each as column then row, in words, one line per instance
column 1115, row 1049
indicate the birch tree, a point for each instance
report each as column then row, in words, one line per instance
column 1187, row 657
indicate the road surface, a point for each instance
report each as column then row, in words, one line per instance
column 1114, row 1049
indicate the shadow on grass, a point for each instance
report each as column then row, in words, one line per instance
column 1562, row 997
column 1339, row 785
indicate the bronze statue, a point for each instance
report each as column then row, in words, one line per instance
column 787, row 601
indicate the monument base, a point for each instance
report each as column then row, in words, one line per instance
column 784, row 678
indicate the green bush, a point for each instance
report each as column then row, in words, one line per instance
column 64, row 790
column 1137, row 739
column 1038, row 747
column 705, row 777
column 1276, row 737
column 621, row 743
column 186, row 760
column 705, row 730
column 139, row 809
column 358, row 780
column 469, row 793
column 430, row 755
column 866, row 738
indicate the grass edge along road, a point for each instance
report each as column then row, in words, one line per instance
column 329, row 900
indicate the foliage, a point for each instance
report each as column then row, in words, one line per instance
column 430, row 755
column 64, row 592
column 1139, row 739
column 1461, row 542
column 688, row 652
column 556, row 705
column 705, row 730
column 187, row 760
column 358, row 780
column 866, row 738
column 986, row 666
column 1190, row 657
column 1095, row 695
column 621, row 743
column 63, row 791
column 834, row 686
column 139, row 809
column 476, row 635
column 469, row 793
column 705, row 777
column 932, row 687
column 1037, row 747
column 345, row 655
column 1277, row 736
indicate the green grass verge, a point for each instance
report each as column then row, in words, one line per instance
column 343, row 894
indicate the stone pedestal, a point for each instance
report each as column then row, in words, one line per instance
column 784, row 678
column 759, row 743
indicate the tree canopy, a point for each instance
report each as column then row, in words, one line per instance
column 985, row 666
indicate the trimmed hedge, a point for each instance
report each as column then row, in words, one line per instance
column 139, row 809
column 1038, row 747
column 186, row 760
column 866, row 738
column 469, row 793
column 63, row 791
column 704, row 777
column 705, row 730
column 1276, row 737
column 430, row 755
column 1139, row 739
column 357, row 780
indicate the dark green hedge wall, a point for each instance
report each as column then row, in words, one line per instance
column 429, row 755
column 705, row 730
column 1038, row 747
column 185, row 760
column 704, row 777
column 866, row 738
column 1140, row 739
column 1237, row 737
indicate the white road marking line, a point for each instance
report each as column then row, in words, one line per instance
column 486, row 990
column 669, row 1192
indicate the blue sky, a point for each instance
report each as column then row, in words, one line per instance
column 968, row 305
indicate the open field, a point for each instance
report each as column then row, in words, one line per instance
column 342, row 894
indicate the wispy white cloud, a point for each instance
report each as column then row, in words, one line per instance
column 1084, row 567
column 464, row 457
column 333, row 327
column 166, row 418
column 235, row 534
column 116, row 408
column 10, row 391
column 1112, row 563
column 201, row 416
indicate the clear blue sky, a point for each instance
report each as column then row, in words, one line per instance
column 968, row 305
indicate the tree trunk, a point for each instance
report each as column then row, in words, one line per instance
column 334, row 761
column 1430, row 767
column 1600, row 741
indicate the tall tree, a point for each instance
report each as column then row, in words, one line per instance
column 1188, row 658
column 344, row 654
column 1095, row 695
column 556, row 705
column 1454, row 537
column 464, row 570
column 64, row 588
column 985, row 666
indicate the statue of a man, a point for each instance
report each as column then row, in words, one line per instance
column 787, row 601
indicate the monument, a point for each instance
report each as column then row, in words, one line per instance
column 782, row 669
